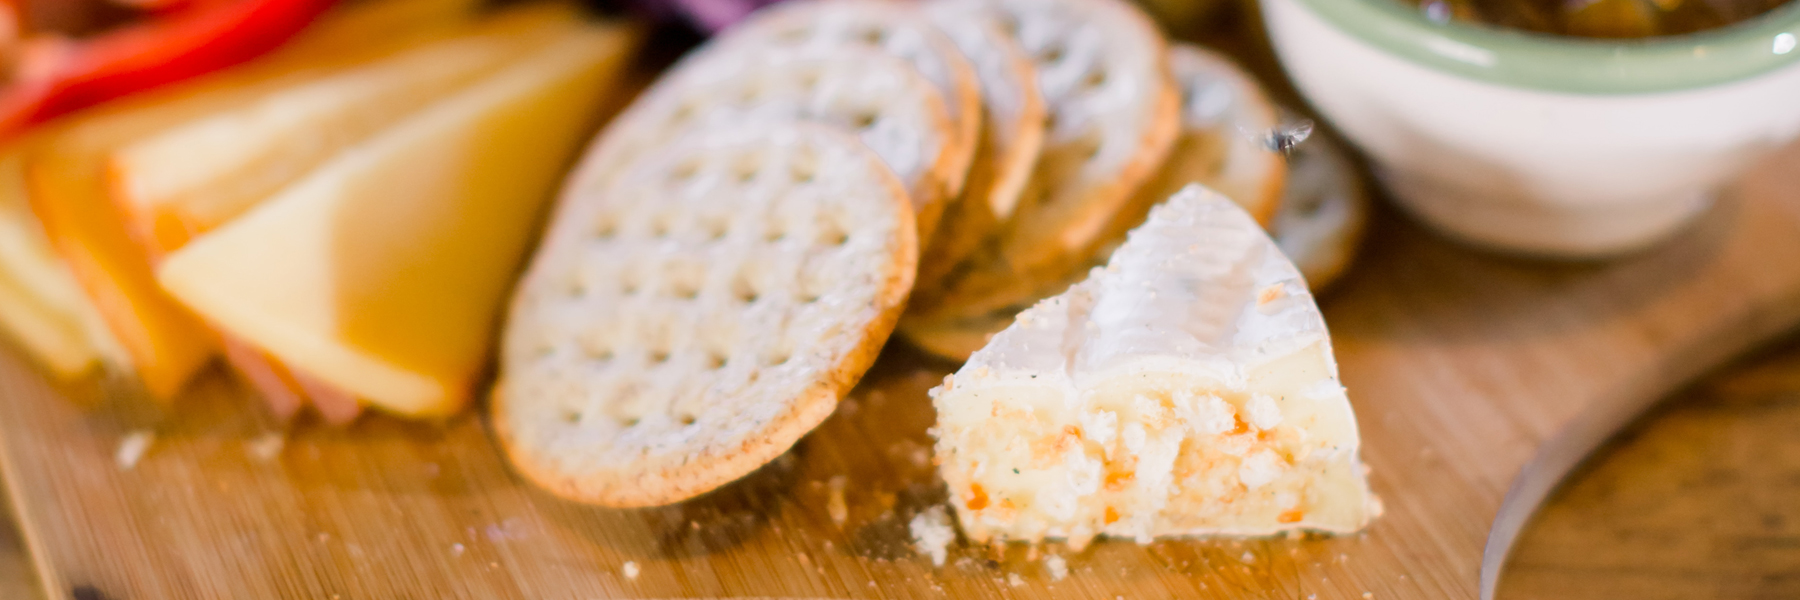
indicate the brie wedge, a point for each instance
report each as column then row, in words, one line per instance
column 1186, row 388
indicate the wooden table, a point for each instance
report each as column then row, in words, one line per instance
column 16, row 577
column 1700, row 499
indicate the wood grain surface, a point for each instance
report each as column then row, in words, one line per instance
column 17, row 580
column 1696, row 500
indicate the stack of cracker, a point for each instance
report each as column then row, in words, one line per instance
column 737, row 246
column 1086, row 190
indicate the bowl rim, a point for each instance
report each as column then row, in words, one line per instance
column 1570, row 64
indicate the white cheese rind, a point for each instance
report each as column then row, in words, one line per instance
column 1187, row 388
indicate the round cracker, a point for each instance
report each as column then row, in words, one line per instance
column 897, row 28
column 692, row 321
column 893, row 109
column 1323, row 218
column 1324, row 211
column 956, row 339
column 1224, row 113
column 1103, row 70
column 1012, row 134
column 1223, row 110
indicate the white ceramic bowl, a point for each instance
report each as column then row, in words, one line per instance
column 1544, row 144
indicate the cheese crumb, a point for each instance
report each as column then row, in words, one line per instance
column 834, row 502
column 1099, row 427
column 133, row 448
column 1207, row 414
column 932, row 534
column 1259, row 469
column 1058, row 567
column 1264, row 414
column 266, row 447
column 630, row 569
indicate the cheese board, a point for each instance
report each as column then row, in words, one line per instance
column 1479, row 381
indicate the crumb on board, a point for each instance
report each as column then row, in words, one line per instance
column 630, row 569
column 1247, row 557
column 1057, row 567
column 133, row 447
column 834, row 501
column 1013, row 579
column 932, row 534
column 266, row 446
column 457, row 549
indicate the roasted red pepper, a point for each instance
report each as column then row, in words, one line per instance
column 192, row 38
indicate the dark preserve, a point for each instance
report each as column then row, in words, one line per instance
column 1600, row 18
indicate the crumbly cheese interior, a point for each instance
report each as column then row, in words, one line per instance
column 1187, row 388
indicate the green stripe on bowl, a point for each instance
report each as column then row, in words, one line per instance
column 1573, row 64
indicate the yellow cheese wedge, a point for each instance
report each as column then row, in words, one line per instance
column 191, row 177
column 353, row 25
column 41, row 305
column 382, row 273
column 167, row 345
column 67, row 192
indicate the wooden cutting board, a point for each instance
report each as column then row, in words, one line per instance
column 1478, row 381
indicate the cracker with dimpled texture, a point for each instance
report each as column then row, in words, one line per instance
column 1223, row 110
column 690, row 323
column 1321, row 221
column 1012, row 134
column 1224, row 114
column 893, row 109
column 896, row 28
column 1325, row 212
column 1103, row 70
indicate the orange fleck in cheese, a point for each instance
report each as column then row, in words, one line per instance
column 1187, row 388
column 978, row 498
column 1270, row 294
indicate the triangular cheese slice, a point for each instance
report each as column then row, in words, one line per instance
column 382, row 273
column 1186, row 388
column 68, row 193
column 354, row 26
column 41, row 305
column 193, row 176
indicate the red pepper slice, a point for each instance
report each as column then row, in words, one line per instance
column 201, row 37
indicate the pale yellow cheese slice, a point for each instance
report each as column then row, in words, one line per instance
column 193, row 176
column 65, row 167
column 355, row 25
column 382, row 273
column 42, row 307
column 1186, row 388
